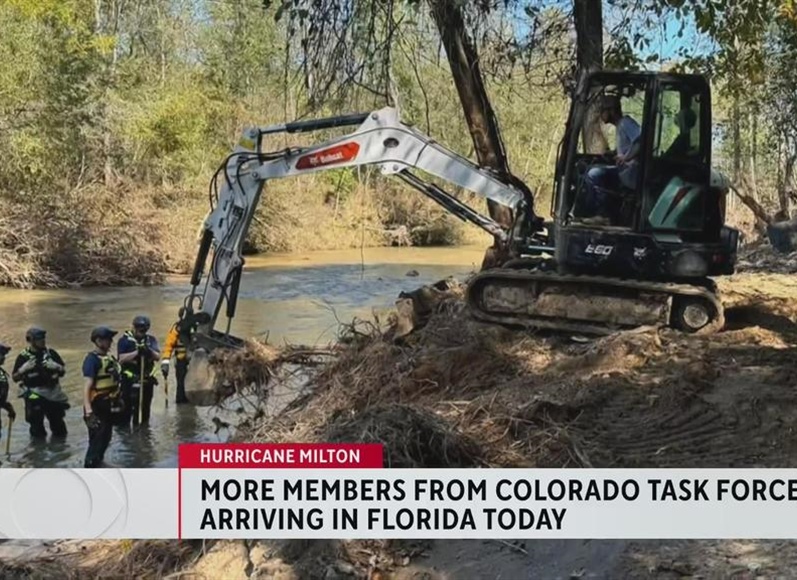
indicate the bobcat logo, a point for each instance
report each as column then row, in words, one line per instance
column 640, row 253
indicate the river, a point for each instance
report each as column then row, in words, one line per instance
column 297, row 298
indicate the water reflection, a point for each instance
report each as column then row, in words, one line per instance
column 296, row 303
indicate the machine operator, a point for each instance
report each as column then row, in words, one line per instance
column 599, row 179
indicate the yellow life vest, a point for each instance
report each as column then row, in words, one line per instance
column 107, row 380
column 174, row 345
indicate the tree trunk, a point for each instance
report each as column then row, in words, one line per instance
column 753, row 119
column 588, row 16
column 737, row 139
column 464, row 63
column 784, row 189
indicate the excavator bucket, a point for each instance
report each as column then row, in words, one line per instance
column 200, row 380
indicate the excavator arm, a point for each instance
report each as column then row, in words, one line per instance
column 380, row 139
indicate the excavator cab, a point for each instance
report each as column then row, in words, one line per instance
column 638, row 217
column 657, row 211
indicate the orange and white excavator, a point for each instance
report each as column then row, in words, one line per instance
column 651, row 262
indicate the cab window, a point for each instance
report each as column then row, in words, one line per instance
column 678, row 124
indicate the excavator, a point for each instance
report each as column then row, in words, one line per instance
column 650, row 263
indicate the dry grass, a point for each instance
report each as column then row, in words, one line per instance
column 129, row 235
column 412, row 437
column 102, row 559
column 316, row 213
column 88, row 238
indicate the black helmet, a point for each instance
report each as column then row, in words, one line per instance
column 102, row 332
column 141, row 321
column 35, row 333
column 4, row 349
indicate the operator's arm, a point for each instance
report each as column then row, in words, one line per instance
column 631, row 132
column 636, row 147
column 126, row 350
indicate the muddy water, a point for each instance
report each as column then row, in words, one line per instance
column 296, row 298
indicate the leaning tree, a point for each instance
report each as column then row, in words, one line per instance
column 346, row 41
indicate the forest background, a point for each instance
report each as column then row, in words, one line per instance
column 114, row 114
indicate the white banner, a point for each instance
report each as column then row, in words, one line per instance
column 51, row 504
column 398, row 503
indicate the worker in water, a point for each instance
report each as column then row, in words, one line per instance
column 102, row 401
column 623, row 174
column 5, row 384
column 40, row 369
column 175, row 345
column 138, row 352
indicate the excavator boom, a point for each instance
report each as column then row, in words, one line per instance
column 380, row 139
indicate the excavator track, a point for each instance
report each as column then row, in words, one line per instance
column 591, row 304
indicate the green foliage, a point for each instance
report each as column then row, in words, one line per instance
column 115, row 98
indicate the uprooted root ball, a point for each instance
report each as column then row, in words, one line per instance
column 256, row 368
column 237, row 370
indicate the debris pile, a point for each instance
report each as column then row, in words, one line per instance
column 476, row 394
column 762, row 257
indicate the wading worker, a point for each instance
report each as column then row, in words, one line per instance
column 39, row 369
column 175, row 345
column 138, row 352
column 102, row 400
column 5, row 384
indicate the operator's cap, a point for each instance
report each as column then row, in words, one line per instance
column 610, row 102
column 102, row 332
column 35, row 333
column 4, row 349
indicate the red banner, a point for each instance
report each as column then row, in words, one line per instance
column 280, row 455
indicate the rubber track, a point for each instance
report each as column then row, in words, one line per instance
column 478, row 283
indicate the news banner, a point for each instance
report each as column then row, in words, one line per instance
column 330, row 491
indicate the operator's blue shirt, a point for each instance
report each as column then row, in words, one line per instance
column 628, row 131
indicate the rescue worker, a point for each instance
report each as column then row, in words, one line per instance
column 102, row 401
column 5, row 384
column 176, row 345
column 133, row 347
column 39, row 369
